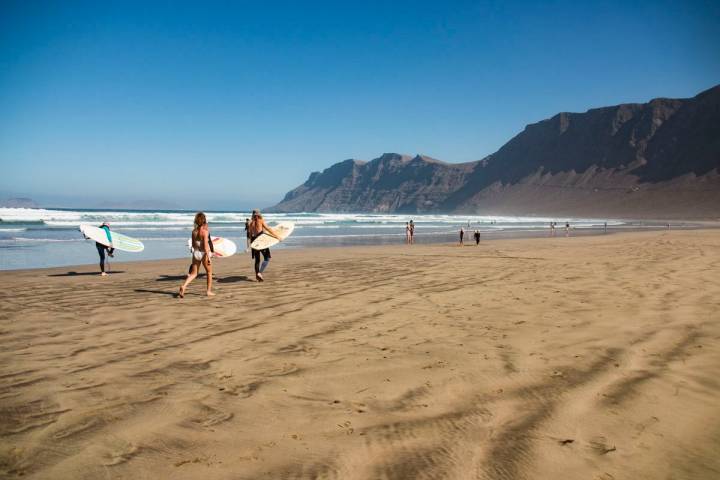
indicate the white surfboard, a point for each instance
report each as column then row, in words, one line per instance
column 283, row 229
column 222, row 247
column 116, row 240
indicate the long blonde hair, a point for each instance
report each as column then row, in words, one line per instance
column 200, row 220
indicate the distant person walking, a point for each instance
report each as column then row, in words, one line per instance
column 477, row 237
column 605, row 228
column 247, row 234
column 407, row 233
column 462, row 234
column 412, row 232
column 552, row 229
column 256, row 228
column 567, row 229
column 201, row 252
column 102, row 249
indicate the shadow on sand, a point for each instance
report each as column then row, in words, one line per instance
column 157, row 292
column 80, row 274
column 232, row 279
column 180, row 278
column 173, row 278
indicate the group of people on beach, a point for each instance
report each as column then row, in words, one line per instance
column 476, row 236
column 567, row 228
column 201, row 249
column 201, row 246
column 410, row 232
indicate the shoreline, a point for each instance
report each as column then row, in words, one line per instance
column 435, row 239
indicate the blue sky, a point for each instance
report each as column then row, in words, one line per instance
column 231, row 104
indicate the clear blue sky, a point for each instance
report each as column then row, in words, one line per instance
column 231, row 104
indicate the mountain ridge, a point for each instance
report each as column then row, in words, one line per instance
column 620, row 160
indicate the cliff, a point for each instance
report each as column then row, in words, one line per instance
column 660, row 159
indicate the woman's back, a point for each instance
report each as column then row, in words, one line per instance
column 198, row 235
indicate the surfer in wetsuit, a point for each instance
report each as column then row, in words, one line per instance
column 201, row 252
column 257, row 227
column 102, row 249
column 462, row 234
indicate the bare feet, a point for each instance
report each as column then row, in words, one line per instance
column 259, row 277
column 210, row 294
column 103, row 274
column 181, row 293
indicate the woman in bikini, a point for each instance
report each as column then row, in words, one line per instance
column 200, row 254
column 256, row 228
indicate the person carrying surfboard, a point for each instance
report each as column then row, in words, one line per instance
column 256, row 228
column 102, row 249
column 201, row 253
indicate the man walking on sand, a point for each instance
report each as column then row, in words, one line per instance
column 462, row 234
column 477, row 237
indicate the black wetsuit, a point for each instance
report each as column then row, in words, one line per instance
column 477, row 238
column 255, row 254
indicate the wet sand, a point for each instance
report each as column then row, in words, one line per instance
column 593, row 357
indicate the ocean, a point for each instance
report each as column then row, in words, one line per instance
column 35, row 238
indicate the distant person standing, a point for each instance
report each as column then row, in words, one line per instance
column 412, row 232
column 477, row 237
column 605, row 228
column 102, row 249
column 407, row 233
column 247, row 234
column 552, row 229
column 567, row 229
column 462, row 234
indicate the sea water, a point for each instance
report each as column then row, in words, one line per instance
column 33, row 238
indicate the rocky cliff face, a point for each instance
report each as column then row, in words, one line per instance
column 661, row 158
column 390, row 183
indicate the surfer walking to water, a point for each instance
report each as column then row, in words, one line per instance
column 256, row 228
column 200, row 243
column 102, row 249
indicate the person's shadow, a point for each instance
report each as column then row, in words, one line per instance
column 179, row 278
column 158, row 292
column 80, row 274
column 233, row 279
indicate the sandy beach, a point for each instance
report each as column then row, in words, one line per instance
column 593, row 358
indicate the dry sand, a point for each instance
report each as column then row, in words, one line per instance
column 592, row 358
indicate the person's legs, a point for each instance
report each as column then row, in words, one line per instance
column 208, row 270
column 194, row 268
column 101, row 252
column 266, row 259
column 256, row 257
